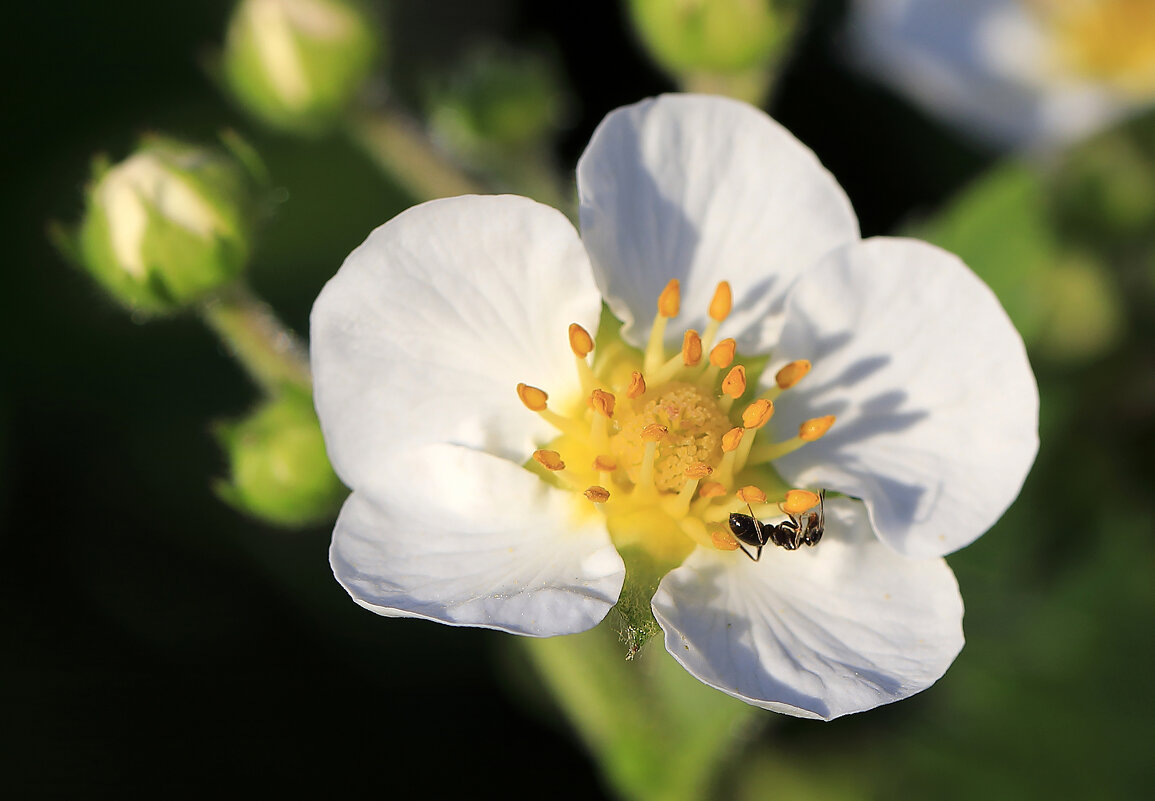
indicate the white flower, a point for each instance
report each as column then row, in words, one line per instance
column 460, row 513
column 1036, row 73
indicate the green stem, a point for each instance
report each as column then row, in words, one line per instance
column 656, row 732
column 402, row 149
column 273, row 355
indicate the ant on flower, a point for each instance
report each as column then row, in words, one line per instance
column 803, row 528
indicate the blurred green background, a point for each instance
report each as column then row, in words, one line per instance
column 159, row 642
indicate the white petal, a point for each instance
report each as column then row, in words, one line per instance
column 469, row 539
column 819, row 632
column 986, row 65
column 936, row 403
column 426, row 330
column 704, row 189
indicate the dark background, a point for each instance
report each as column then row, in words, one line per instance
column 158, row 643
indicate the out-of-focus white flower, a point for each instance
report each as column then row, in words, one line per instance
column 479, row 499
column 1020, row 73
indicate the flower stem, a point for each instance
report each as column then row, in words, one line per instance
column 399, row 147
column 273, row 355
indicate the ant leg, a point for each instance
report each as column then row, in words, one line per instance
column 753, row 557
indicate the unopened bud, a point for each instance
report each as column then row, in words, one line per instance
column 297, row 64
column 167, row 225
column 279, row 471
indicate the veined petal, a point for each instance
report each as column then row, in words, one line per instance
column 937, row 407
column 704, row 189
column 428, row 327
column 470, row 539
column 820, row 632
column 983, row 64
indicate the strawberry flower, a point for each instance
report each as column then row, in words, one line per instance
column 506, row 438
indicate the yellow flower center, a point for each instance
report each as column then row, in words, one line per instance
column 1104, row 40
column 666, row 446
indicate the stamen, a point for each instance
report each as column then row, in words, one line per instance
column 691, row 348
column 533, row 398
column 809, row 431
column 602, row 402
column 654, row 433
column 757, row 414
column 719, row 310
column 550, row 460
column 699, row 470
column 723, row 540
column 798, row 501
column 637, row 386
column 751, row 494
column 730, row 442
column 605, row 464
column 754, row 417
column 711, row 489
column 679, row 505
column 722, row 302
column 651, row 436
column 722, row 356
column 670, row 301
column 734, row 384
column 731, row 439
column 668, row 304
column 815, row 428
column 792, row 373
column 581, row 343
column 597, row 494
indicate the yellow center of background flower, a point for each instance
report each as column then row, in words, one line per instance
column 1112, row 41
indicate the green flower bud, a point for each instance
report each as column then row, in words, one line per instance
column 166, row 225
column 714, row 36
column 498, row 100
column 279, row 470
column 297, row 64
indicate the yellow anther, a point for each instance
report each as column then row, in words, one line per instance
column 758, row 413
column 722, row 302
column 732, row 438
column 815, row 427
column 597, row 494
column 699, row 470
column 605, row 464
column 533, row 398
column 722, row 356
column 637, row 386
column 550, row 460
column 711, row 489
column 724, row 540
column 670, row 301
column 602, row 402
column 792, row 373
column 580, row 341
column 751, row 494
column 691, row 348
column 734, row 384
column 798, row 501
column 654, row 433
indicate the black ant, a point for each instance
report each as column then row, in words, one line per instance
column 803, row 529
